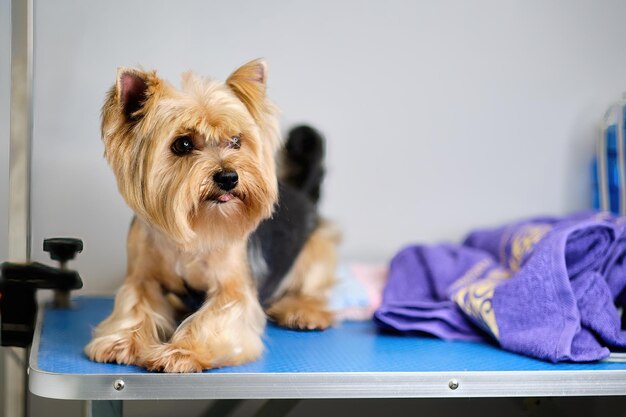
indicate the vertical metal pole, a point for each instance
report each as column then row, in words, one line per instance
column 21, row 129
column 14, row 387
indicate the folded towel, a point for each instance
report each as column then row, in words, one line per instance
column 614, row 268
column 416, row 297
column 535, row 311
column 546, row 297
column 512, row 243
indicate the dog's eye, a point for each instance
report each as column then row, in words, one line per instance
column 182, row 145
column 234, row 142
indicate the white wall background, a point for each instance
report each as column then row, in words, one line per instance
column 440, row 115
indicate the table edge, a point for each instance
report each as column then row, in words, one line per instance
column 150, row 386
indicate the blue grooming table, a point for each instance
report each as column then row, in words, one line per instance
column 352, row 360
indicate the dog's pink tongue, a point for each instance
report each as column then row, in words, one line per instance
column 225, row 197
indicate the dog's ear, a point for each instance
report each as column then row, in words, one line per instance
column 248, row 83
column 132, row 90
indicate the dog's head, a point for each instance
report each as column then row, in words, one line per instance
column 197, row 163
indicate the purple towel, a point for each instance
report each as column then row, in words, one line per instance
column 547, row 299
column 614, row 268
column 416, row 295
column 512, row 243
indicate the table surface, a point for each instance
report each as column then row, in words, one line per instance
column 351, row 360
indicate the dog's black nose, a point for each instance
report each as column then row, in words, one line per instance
column 226, row 180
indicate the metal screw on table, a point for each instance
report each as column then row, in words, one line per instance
column 118, row 385
column 453, row 384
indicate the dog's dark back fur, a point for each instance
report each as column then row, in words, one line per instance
column 274, row 246
column 303, row 161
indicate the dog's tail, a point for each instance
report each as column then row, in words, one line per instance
column 303, row 161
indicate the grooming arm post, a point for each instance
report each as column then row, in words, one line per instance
column 13, row 395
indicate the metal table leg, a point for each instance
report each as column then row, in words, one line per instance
column 276, row 408
column 103, row 408
column 222, row 408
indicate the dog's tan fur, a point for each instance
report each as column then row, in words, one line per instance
column 181, row 236
column 301, row 300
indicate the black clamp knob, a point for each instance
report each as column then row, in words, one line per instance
column 62, row 249
column 19, row 283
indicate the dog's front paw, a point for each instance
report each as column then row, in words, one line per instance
column 168, row 358
column 120, row 348
column 301, row 313
column 196, row 357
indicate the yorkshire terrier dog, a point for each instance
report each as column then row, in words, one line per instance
column 218, row 241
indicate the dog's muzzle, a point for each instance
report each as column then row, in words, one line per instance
column 226, row 180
